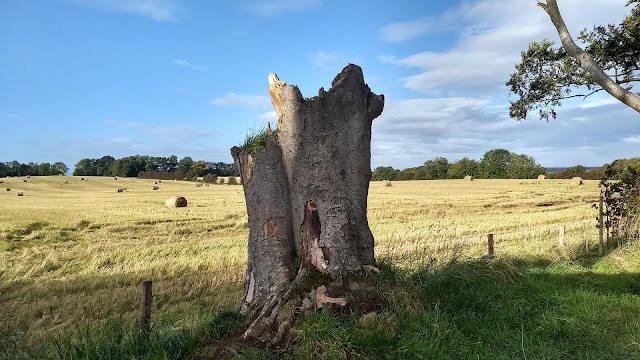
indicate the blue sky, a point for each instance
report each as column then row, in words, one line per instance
column 87, row 78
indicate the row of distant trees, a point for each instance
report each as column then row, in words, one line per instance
column 15, row 168
column 495, row 164
column 152, row 167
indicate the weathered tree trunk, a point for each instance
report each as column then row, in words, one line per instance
column 306, row 193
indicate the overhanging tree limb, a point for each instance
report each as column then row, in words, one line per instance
column 586, row 61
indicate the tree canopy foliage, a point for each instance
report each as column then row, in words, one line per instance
column 495, row 164
column 152, row 167
column 547, row 75
column 15, row 168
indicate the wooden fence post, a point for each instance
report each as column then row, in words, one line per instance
column 561, row 234
column 601, row 224
column 145, row 306
column 490, row 244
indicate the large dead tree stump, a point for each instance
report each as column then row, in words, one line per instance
column 306, row 186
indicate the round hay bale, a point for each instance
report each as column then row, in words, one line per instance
column 28, row 176
column 156, row 183
column 159, row 181
column 115, row 178
column 199, row 185
column 66, row 182
column 542, row 177
column 468, row 178
column 1, row 182
column 8, row 189
column 576, row 181
column 120, row 190
column 386, row 183
column 156, row 187
column 20, row 194
column 176, row 202
column 81, row 179
column 24, row 180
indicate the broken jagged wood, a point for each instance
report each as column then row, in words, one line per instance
column 306, row 185
column 322, row 298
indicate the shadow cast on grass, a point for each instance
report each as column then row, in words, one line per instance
column 490, row 308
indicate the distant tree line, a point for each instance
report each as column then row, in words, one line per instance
column 579, row 171
column 495, row 164
column 14, row 168
column 152, row 167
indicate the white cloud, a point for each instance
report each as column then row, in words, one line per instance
column 158, row 10
column 11, row 116
column 463, row 106
column 407, row 30
column 323, row 59
column 634, row 140
column 168, row 133
column 234, row 99
column 595, row 102
column 270, row 8
column 493, row 34
column 187, row 64
column 409, row 132
column 268, row 116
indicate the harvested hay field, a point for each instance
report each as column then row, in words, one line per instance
column 76, row 253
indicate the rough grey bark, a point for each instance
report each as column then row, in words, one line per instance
column 586, row 61
column 306, row 193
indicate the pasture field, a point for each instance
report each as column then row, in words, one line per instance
column 75, row 254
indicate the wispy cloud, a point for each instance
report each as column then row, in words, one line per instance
column 169, row 133
column 234, row 99
column 158, row 10
column 634, row 140
column 412, row 131
column 268, row 116
column 323, row 59
column 407, row 30
column 271, row 8
column 493, row 32
column 189, row 65
column 10, row 116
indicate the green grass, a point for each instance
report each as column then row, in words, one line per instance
column 255, row 141
column 489, row 309
column 120, row 338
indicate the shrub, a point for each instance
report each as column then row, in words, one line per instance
column 210, row 178
column 620, row 188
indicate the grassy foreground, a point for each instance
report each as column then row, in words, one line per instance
column 72, row 257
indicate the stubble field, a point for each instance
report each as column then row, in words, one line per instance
column 75, row 254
